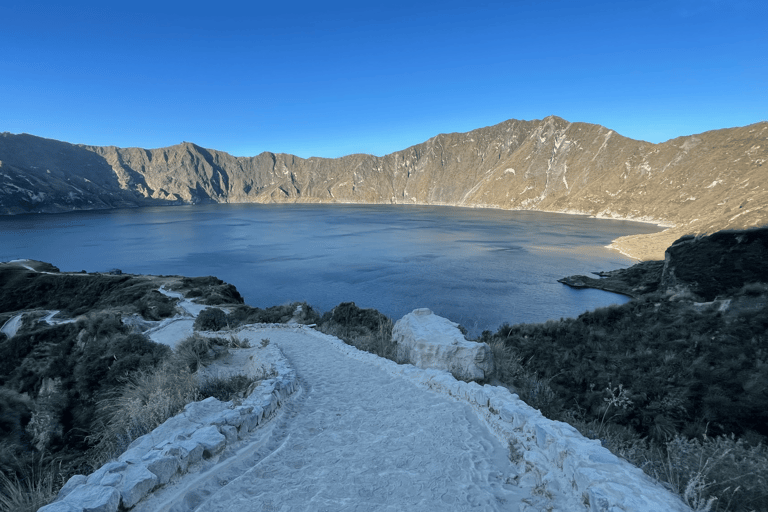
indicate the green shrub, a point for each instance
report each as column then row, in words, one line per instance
column 214, row 290
column 15, row 413
column 211, row 319
column 242, row 315
column 194, row 352
column 366, row 329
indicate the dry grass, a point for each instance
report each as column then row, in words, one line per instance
column 36, row 488
column 718, row 474
column 147, row 400
column 377, row 342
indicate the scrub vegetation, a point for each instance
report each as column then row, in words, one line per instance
column 366, row 329
column 243, row 315
column 150, row 396
column 679, row 390
column 74, row 394
column 673, row 384
column 102, row 392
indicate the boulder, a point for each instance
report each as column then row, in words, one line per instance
column 430, row 341
column 163, row 466
column 60, row 506
column 136, row 483
column 94, row 498
column 210, row 439
column 68, row 487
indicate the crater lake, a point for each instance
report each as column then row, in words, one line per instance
column 477, row 267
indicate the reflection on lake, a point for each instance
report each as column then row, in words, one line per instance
column 478, row 267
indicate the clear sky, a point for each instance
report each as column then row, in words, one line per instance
column 333, row 78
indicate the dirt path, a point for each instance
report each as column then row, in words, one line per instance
column 354, row 438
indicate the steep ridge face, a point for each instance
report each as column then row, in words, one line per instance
column 698, row 184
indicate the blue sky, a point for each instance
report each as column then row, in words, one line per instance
column 333, row 78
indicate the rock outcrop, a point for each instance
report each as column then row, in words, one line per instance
column 430, row 341
column 698, row 268
column 635, row 281
column 699, row 183
column 719, row 264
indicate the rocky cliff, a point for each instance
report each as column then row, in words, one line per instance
column 697, row 184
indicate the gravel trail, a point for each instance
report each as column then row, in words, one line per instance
column 354, row 438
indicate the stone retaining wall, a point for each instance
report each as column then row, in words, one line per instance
column 547, row 455
column 202, row 431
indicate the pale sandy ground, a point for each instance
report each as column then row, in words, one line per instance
column 646, row 247
column 173, row 330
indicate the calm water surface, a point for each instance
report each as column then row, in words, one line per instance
column 477, row 267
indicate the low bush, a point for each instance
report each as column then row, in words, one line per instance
column 194, row 352
column 215, row 291
column 366, row 329
column 242, row 315
column 211, row 319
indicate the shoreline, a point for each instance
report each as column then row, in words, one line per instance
column 639, row 255
column 644, row 220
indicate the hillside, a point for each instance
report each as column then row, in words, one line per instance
column 665, row 381
column 695, row 184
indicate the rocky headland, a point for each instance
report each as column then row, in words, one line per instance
column 700, row 268
column 693, row 184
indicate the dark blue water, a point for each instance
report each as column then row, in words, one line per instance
column 477, row 267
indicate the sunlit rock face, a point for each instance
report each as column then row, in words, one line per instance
column 430, row 341
column 700, row 183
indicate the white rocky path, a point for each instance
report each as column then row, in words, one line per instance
column 357, row 438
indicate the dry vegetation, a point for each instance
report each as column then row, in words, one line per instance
column 678, row 389
column 118, row 411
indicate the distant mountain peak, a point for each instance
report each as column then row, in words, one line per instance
column 699, row 183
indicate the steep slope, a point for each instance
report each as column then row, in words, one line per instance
column 699, row 183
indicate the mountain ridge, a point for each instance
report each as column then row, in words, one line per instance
column 693, row 184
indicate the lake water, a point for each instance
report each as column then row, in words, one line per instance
column 478, row 267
